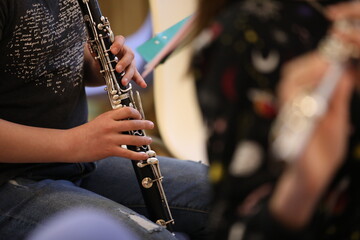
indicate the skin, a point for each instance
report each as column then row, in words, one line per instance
column 92, row 141
column 306, row 179
column 126, row 63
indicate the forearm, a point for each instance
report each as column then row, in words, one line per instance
column 294, row 200
column 287, row 203
column 24, row 144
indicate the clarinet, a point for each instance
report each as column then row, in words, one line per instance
column 100, row 38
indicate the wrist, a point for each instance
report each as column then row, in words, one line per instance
column 69, row 146
column 296, row 197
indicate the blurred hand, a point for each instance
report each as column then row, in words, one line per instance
column 349, row 33
column 305, row 179
column 326, row 148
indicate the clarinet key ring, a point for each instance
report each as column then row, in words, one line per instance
column 297, row 119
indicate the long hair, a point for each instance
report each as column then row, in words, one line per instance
column 206, row 11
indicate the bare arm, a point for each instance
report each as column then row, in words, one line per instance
column 305, row 181
column 19, row 143
column 92, row 141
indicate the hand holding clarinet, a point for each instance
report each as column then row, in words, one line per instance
column 313, row 126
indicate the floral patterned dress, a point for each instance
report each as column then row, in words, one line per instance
column 237, row 68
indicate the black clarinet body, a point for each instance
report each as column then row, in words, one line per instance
column 100, row 38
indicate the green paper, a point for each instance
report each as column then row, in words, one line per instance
column 149, row 49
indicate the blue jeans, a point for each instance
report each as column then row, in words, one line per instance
column 113, row 188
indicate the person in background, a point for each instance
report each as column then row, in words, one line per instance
column 51, row 158
column 251, row 57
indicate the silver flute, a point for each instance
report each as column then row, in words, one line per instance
column 100, row 38
column 297, row 119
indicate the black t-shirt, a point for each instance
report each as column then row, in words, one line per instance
column 41, row 66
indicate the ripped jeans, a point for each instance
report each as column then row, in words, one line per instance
column 113, row 188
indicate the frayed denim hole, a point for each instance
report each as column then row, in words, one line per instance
column 143, row 222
